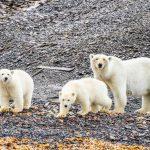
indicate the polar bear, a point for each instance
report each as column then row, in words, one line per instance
column 90, row 93
column 16, row 85
column 120, row 76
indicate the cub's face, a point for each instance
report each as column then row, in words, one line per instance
column 67, row 99
column 99, row 61
column 5, row 75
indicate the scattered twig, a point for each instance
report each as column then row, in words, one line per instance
column 53, row 97
column 31, row 63
column 56, row 68
column 37, row 72
column 1, row 49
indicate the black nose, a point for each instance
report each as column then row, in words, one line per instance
column 65, row 106
column 100, row 65
column 6, row 79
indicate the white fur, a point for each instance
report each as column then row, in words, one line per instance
column 19, row 87
column 138, row 80
column 90, row 93
column 133, row 74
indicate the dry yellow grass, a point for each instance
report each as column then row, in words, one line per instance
column 21, row 144
column 11, row 143
column 93, row 144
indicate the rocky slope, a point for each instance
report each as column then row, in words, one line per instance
column 63, row 33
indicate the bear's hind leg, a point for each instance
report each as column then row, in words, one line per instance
column 95, row 108
column 107, row 102
column 27, row 101
column 145, row 104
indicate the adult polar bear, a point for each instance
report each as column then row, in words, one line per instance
column 119, row 75
column 16, row 85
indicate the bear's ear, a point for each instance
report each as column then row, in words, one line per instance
column 91, row 56
column 60, row 93
column 12, row 72
column 110, row 58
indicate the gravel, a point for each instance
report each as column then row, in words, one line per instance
column 63, row 33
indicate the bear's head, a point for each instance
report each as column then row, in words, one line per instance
column 99, row 61
column 67, row 99
column 5, row 75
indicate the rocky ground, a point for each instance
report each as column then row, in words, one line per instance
column 63, row 33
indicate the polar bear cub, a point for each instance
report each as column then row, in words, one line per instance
column 90, row 93
column 119, row 75
column 16, row 85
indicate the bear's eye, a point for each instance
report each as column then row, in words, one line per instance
column 68, row 100
column 63, row 100
column 2, row 74
column 96, row 59
column 8, row 74
column 104, row 59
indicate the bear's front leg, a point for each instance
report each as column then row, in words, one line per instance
column 61, row 115
column 4, row 104
column 120, row 98
column 63, row 111
column 86, row 107
column 18, row 103
column 17, row 96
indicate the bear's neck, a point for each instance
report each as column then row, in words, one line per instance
column 105, row 73
column 7, row 85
